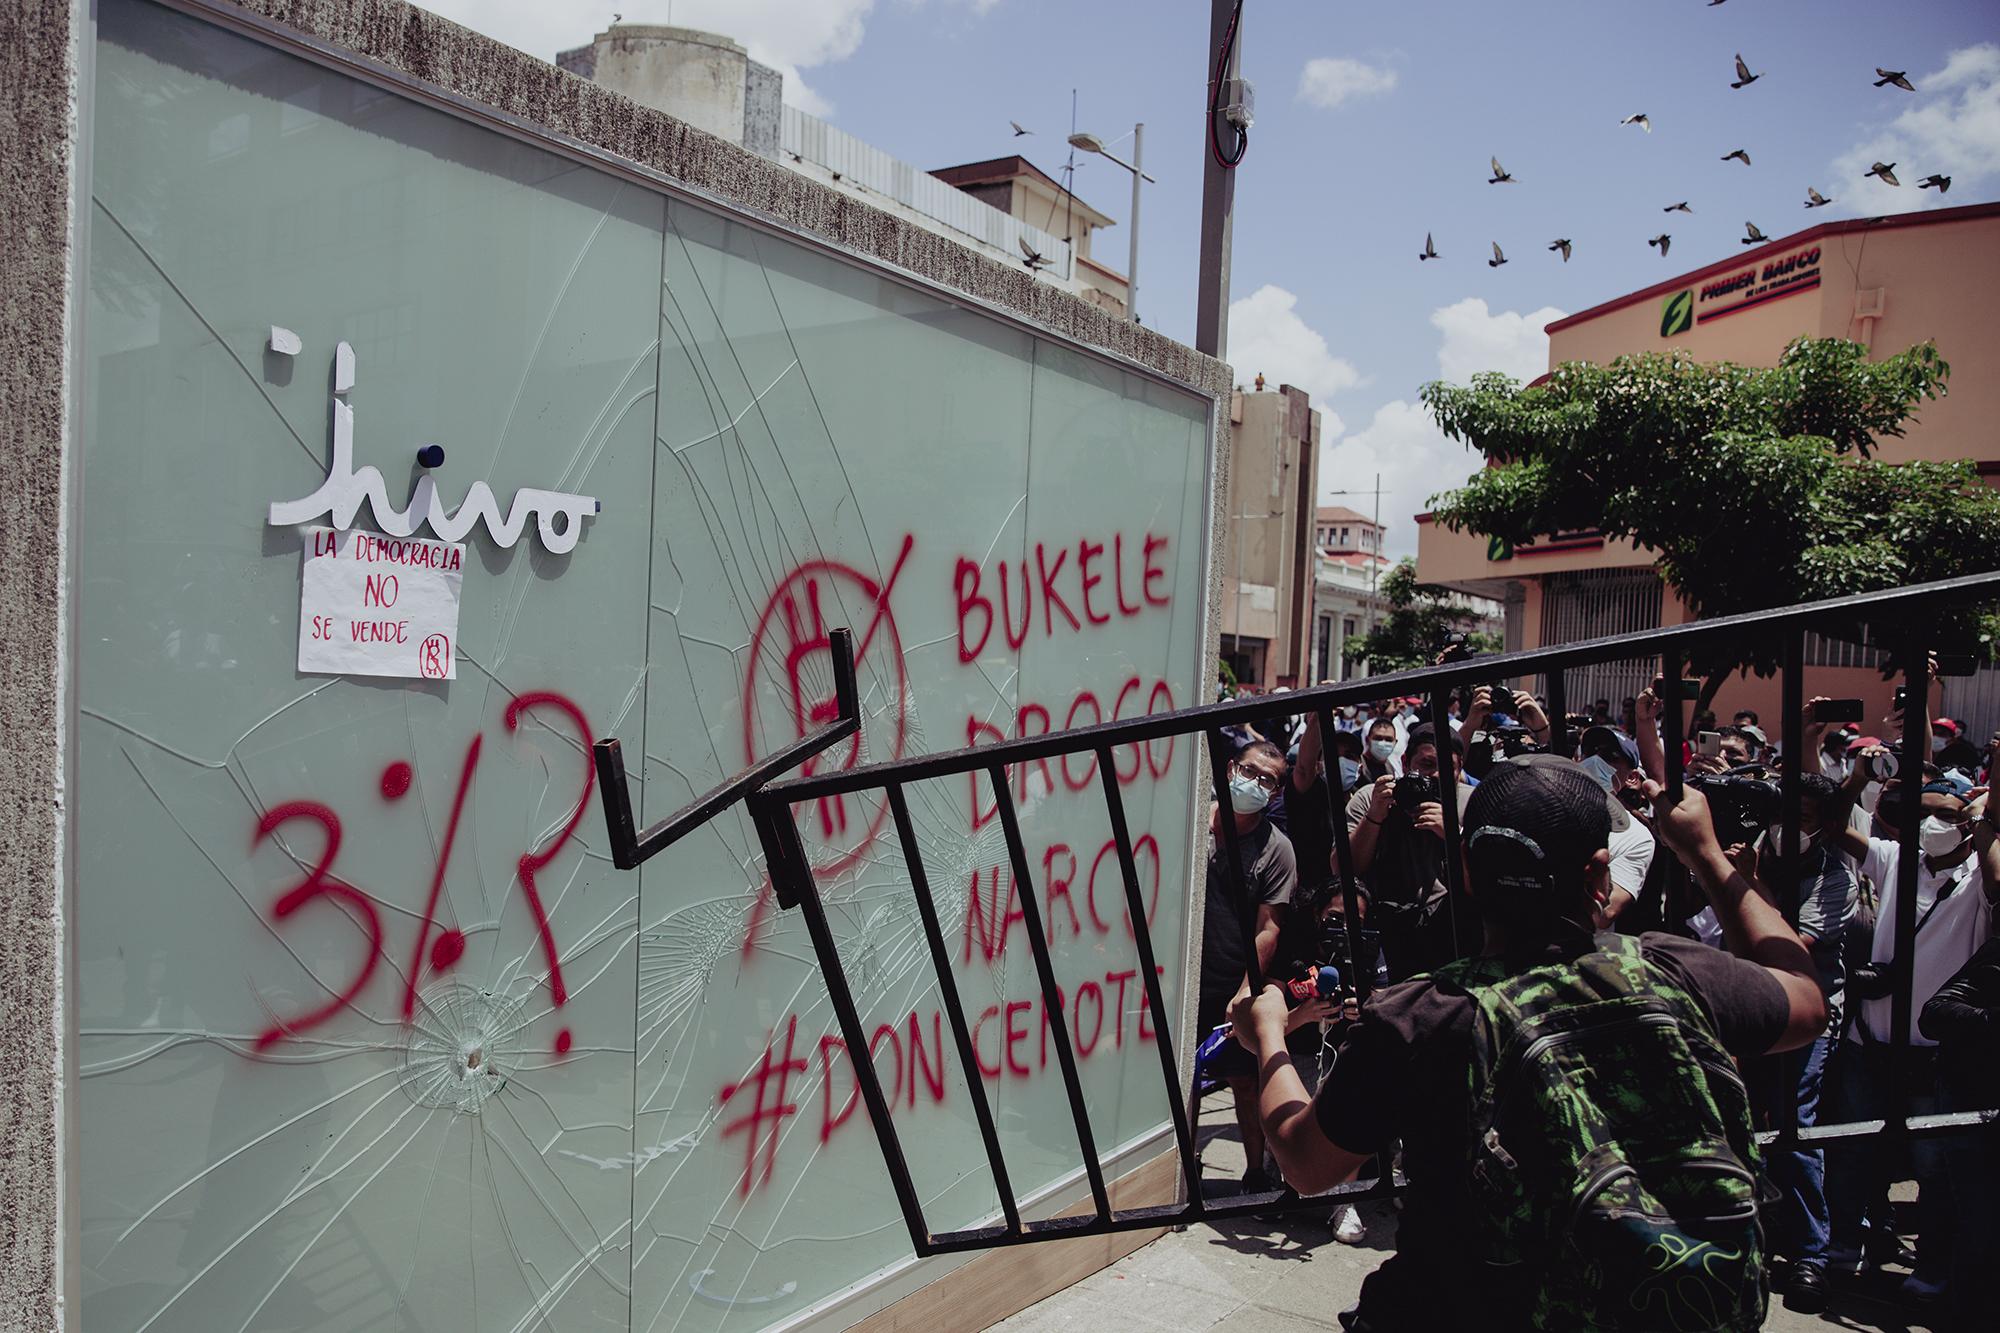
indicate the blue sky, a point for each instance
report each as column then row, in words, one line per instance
column 1374, row 126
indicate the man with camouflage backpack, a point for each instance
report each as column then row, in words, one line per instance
column 1576, row 1137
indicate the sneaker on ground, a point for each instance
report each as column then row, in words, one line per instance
column 1348, row 1228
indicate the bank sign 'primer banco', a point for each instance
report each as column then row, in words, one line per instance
column 1744, row 289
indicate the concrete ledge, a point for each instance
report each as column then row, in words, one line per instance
column 39, row 84
column 466, row 64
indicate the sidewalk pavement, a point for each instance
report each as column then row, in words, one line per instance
column 1289, row 1275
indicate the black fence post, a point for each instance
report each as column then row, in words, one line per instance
column 1454, row 869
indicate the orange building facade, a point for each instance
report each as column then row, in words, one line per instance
column 1887, row 282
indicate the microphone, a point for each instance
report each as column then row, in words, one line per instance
column 1323, row 984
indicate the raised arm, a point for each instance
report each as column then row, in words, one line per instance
column 1752, row 928
column 1307, row 768
column 1646, row 719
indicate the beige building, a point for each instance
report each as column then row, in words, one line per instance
column 1347, row 602
column 1887, row 282
column 1269, row 558
column 1006, row 208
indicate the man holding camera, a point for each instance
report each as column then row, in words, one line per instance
column 1958, row 877
column 1395, row 829
column 1493, row 1235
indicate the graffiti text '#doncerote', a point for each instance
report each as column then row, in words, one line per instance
column 558, row 515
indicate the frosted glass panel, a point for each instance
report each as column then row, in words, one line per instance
column 372, row 1033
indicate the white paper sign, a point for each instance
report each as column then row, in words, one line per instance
column 380, row 606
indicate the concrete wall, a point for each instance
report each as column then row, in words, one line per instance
column 42, row 81
column 40, row 53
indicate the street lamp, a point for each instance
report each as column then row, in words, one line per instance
column 1090, row 143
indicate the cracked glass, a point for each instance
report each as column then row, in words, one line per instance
column 371, row 1033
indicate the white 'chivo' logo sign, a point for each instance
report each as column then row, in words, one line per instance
column 342, row 493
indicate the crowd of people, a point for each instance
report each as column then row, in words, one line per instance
column 1788, row 953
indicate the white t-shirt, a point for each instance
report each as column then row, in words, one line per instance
column 1631, row 856
column 1949, row 936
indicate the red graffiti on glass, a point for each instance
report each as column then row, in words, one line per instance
column 316, row 885
column 793, row 632
column 443, row 951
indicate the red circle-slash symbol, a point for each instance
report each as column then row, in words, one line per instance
column 434, row 657
column 791, row 657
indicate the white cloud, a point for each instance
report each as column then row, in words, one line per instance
column 1330, row 80
column 1477, row 340
column 789, row 35
column 1951, row 127
column 1415, row 461
column 1267, row 337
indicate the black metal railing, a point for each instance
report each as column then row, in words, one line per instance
column 1777, row 633
column 630, row 848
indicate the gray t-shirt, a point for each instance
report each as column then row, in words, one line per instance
column 1272, row 876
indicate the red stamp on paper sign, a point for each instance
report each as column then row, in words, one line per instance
column 434, row 657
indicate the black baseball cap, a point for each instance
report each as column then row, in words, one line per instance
column 1532, row 824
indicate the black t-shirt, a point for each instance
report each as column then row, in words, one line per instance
column 1311, row 834
column 1401, row 1070
column 1272, row 875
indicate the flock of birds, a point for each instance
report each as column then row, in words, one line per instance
column 1882, row 171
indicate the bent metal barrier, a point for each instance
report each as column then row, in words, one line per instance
column 1778, row 633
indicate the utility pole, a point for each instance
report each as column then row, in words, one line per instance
column 1375, row 562
column 1218, row 187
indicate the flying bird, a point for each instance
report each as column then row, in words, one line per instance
column 1885, row 170
column 1562, row 245
column 1642, row 120
column 1663, row 240
column 1814, row 199
column 1744, row 78
column 1896, row 76
column 1740, row 155
column 1681, row 207
column 1751, row 236
column 1498, row 258
column 1019, row 128
column 1034, row 258
column 1430, row 250
column 1501, row 175
column 1942, row 183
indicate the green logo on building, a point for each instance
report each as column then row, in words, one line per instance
column 1498, row 549
column 1677, row 313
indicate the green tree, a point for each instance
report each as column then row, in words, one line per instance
column 1420, row 616
column 1756, row 487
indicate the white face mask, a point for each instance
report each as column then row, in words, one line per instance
column 1382, row 749
column 1937, row 744
column 1247, row 795
column 1939, row 837
column 1601, row 771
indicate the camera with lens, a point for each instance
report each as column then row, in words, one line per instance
column 1872, row 981
column 1367, row 946
column 1504, row 699
column 1412, row 790
column 1740, row 808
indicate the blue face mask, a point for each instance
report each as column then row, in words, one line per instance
column 1247, row 795
column 1350, row 774
column 1600, row 770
